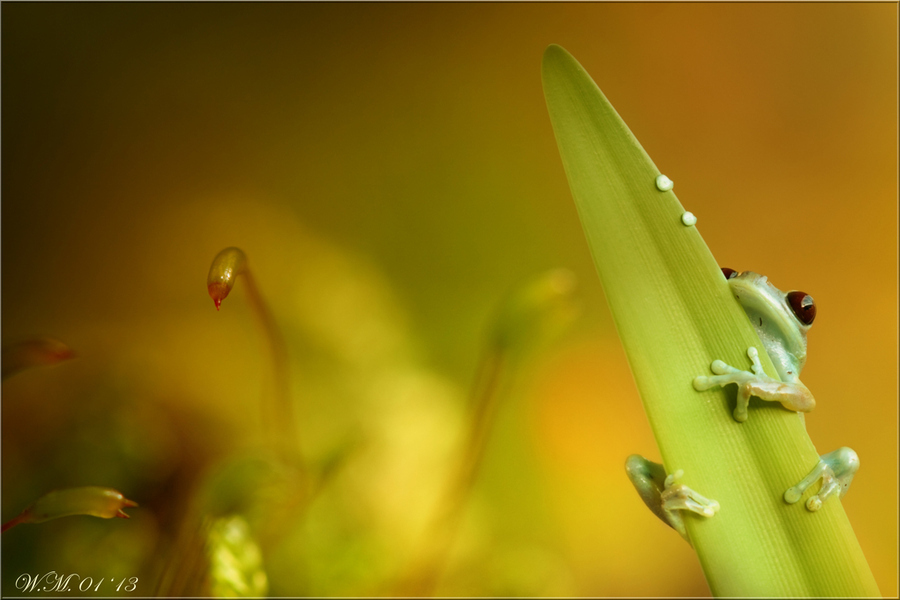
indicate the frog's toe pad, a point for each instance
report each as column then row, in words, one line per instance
column 721, row 367
column 702, row 383
column 813, row 504
column 792, row 495
column 740, row 415
column 709, row 509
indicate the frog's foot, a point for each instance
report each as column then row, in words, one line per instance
column 835, row 469
column 792, row 395
column 726, row 374
column 664, row 496
column 677, row 496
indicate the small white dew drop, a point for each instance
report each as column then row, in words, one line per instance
column 688, row 219
column 664, row 184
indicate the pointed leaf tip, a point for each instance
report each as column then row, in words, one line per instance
column 554, row 52
column 556, row 57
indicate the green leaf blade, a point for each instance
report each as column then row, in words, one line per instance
column 675, row 314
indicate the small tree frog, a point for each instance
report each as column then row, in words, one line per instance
column 781, row 320
column 664, row 496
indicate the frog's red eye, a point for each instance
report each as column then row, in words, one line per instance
column 803, row 305
column 729, row 273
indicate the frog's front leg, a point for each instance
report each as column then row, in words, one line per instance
column 836, row 469
column 664, row 496
column 793, row 395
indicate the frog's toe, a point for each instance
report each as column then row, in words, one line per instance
column 702, row 383
column 813, row 504
column 740, row 414
column 792, row 495
column 707, row 510
column 673, row 477
column 684, row 498
column 720, row 367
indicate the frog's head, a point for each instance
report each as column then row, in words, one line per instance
column 781, row 319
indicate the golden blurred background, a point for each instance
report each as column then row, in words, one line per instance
column 391, row 173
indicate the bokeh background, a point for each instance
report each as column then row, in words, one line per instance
column 391, row 173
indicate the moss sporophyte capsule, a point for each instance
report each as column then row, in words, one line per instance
column 95, row 501
column 226, row 266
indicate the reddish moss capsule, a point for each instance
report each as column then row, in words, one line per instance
column 34, row 353
column 95, row 501
column 226, row 266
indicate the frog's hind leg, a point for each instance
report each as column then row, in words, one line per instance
column 835, row 469
column 664, row 496
column 649, row 479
